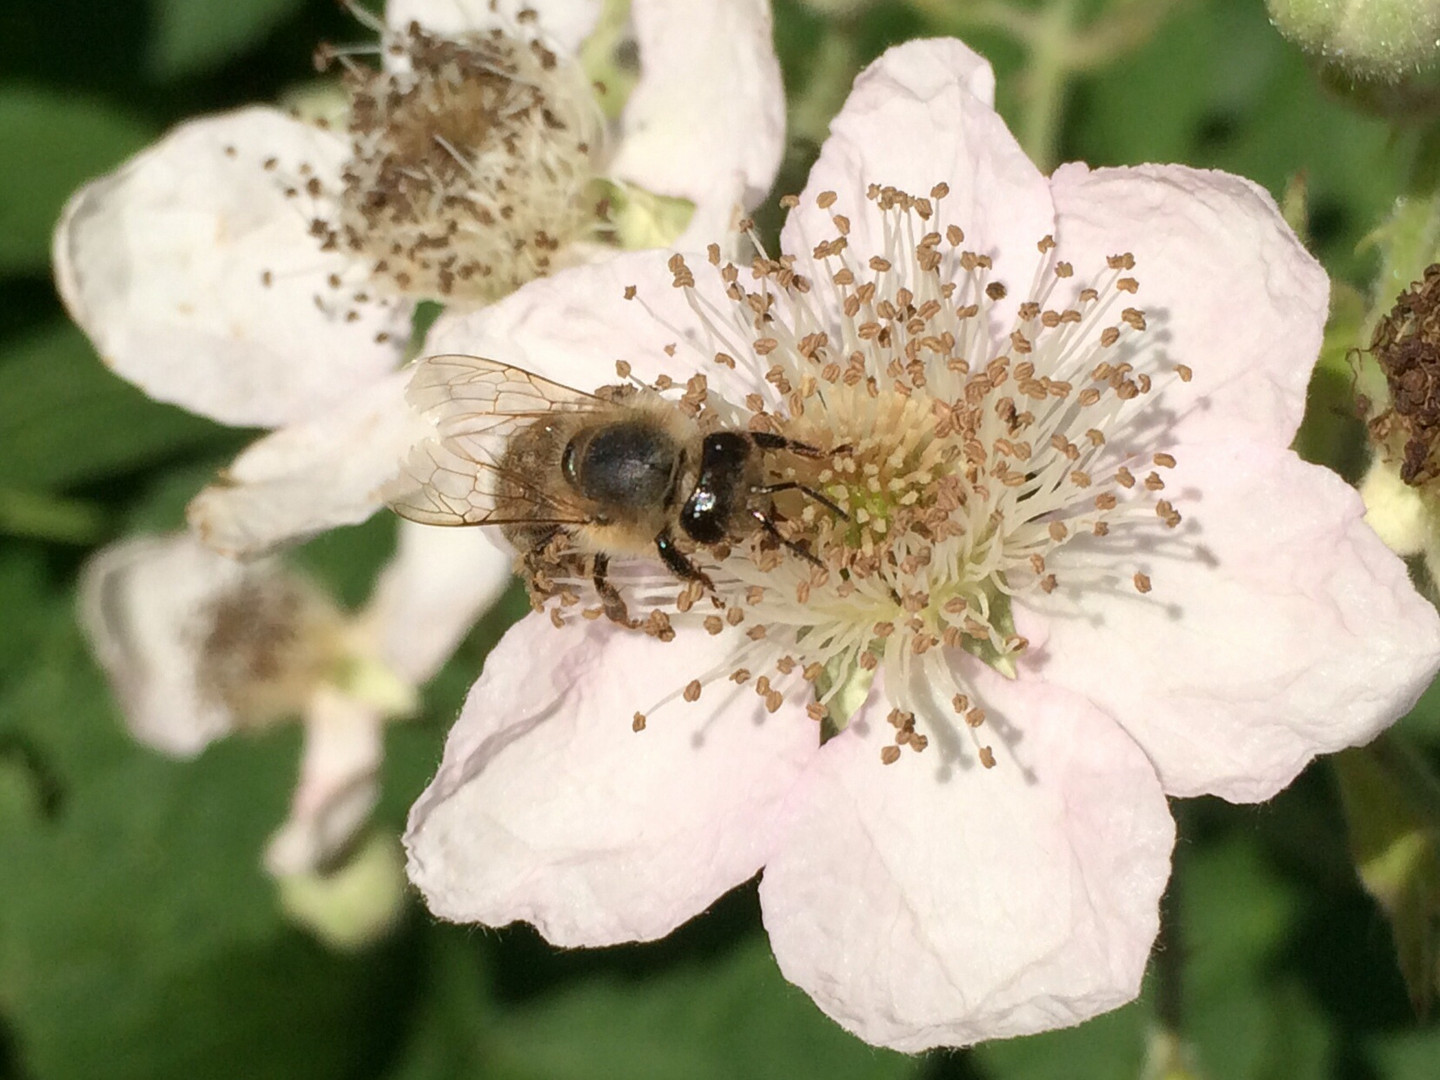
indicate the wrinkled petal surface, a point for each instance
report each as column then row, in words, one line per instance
column 428, row 596
column 549, row 808
column 197, row 280
column 1226, row 288
column 919, row 116
column 310, row 476
column 338, row 786
column 564, row 24
column 143, row 604
column 1279, row 626
column 709, row 108
column 936, row 903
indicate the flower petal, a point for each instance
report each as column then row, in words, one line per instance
column 1222, row 279
column 573, row 326
column 143, row 605
column 919, row 116
column 563, row 23
column 1279, row 627
column 196, row 278
column 934, row 903
column 709, row 104
column 310, row 476
column 344, row 745
column 431, row 593
column 549, row 808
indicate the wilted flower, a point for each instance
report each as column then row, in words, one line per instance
column 255, row 267
column 1078, row 570
column 1406, row 348
column 263, row 270
column 198, row 647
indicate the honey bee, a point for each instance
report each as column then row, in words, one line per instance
column 622, row 472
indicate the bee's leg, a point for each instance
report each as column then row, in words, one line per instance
column 768, row 524
column 792, row 485
column 768, row 441
column 610, row 598
column 676, row 560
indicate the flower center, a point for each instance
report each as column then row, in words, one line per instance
column 1406, row 346
column 266, row 645
column 472, row 164
column 982, row 451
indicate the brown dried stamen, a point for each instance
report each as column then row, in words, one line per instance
column 1406, row 345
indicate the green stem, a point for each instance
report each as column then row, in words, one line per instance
column 50, row 517
column 1404, row 766
column 1047, row 81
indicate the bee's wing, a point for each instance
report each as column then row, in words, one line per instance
column 476, row 406
column 472, row 397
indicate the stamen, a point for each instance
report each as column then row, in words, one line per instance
column 472, row 164
column 953, row 469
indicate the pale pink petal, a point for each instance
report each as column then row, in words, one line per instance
column 1226, row 287
column 917, row 117
column 1279, row 626
column 144, row 606
column 344, row 745
column 717, row 213
column 573, row 326
column 564, row 24
column 933, row 902
column 709, row 105
column 440, row 581
column 310, row 476
column 549, row 808
column 197, row 279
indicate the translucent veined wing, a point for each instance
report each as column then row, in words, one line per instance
column 456, row 477
column 470, row 397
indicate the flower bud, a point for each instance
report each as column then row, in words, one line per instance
column 1370, row 39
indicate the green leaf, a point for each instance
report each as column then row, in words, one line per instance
column 734, row 1016
column 1406, row 1055
column 1333, row 433
column 51, row 144
column 448, row 1034
column 139, row 936
column 1245, row 1020
column 1423, row 720
column 48, row 517
column 1217, row 87
column 192, row 35
column 67, row 420
column 1392, row 807
column 1112, row 1045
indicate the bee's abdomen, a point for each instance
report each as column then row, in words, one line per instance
column 628, row 466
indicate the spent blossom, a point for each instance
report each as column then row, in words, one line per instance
column 263, row 270
column 255, row 267
column 199, row 647
column 1076, row 569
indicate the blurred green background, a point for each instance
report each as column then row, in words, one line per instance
column 139, row 936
